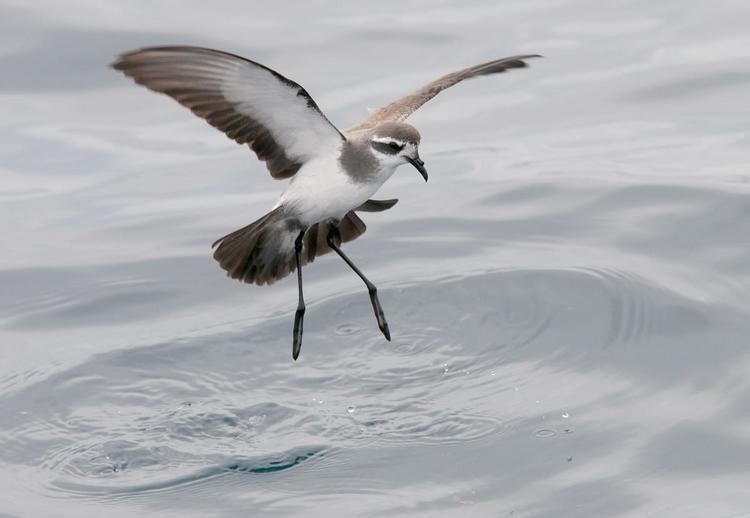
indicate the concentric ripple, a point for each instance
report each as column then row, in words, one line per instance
column 162, row 417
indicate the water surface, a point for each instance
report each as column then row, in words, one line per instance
column 568, row 295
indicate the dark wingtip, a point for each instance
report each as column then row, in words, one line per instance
column 116, row 64
column 520, row 61
column 126, row 59
column 121, row 60
column 504, row 64
column 528, row 56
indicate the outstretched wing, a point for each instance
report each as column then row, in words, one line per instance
column 251, row 103
column 400, row 109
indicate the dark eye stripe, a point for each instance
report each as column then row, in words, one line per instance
column 391, row 148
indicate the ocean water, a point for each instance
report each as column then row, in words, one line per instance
column 569, row 294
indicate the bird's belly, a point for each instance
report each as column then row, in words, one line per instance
column 316, row 194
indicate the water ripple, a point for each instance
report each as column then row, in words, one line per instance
column 183, row 413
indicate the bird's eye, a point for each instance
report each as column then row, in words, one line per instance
column 394, row 146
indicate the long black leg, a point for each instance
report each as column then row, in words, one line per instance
column 299, row 315
column 333, row 239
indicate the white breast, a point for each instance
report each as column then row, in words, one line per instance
column 322, row 190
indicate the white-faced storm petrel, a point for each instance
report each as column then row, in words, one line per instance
column 331, row 173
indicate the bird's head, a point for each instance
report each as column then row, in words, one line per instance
column 397, row 143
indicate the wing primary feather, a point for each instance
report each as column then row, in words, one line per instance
column 401, row 108
column 249, row 102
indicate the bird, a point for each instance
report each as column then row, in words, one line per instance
column 332, row 174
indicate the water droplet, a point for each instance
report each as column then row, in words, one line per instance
column 565, row 415
column 351, row 410
column 492, row 373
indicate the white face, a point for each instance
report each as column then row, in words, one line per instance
column 392, row 152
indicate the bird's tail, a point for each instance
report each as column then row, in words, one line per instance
column 263, row 251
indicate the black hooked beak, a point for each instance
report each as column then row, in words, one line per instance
column 419, row 165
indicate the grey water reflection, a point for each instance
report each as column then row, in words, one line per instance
column 568, row 296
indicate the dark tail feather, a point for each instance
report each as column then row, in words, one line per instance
column 262, row 252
